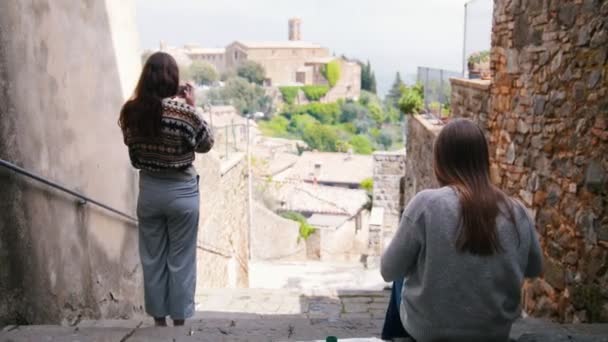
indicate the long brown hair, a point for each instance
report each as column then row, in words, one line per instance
column 462, row 161
column 141, row 115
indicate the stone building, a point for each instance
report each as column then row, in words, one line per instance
column 213, row 56
column 545, row 113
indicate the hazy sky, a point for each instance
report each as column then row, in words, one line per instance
column 395, row 35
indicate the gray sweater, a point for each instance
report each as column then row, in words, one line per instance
column 453, row 296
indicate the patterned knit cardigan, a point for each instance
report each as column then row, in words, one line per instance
column 183, row 132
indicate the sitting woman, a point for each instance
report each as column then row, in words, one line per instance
column 463, row 249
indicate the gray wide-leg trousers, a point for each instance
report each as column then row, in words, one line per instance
column 168, row 212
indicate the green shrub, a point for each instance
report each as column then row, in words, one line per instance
column 315, row 93
column 321, row 137
column 331, row 72
column 367, row 184
column 410, row 101
column 289, row 94
column 276, row 127
column 326, row 113
column 361, row 144
column 306, row 230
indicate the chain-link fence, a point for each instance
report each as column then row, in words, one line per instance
column 437, row 89
column 477, row 28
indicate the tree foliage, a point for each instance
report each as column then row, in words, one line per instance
column 252, row 71
column 244, row 96
column 411, row 100
column 368, row 78
column 361, row 144
column 331, row 71
column 306, row 230
column 394, row 94
column 202, row 73
column 315, row 92
column 289, row 94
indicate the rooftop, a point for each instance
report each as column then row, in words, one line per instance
column 204, row 51
column 288, row 44
column 320, row 199
column 329, row 167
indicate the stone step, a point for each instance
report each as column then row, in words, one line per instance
column 277, row 315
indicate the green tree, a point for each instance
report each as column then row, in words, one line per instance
column 289, row 94
column 321, row 137
column 377, row 114
column 394, row 94
column 244, row 96
column 410, row 102
column 275, row 127
column 361, row 144
column 203, row 73
column 252, row 71
column 352, row 111
column 386, row 140
column 331, row 71
column 372, row 83
column 315, row 92
column 368, row 78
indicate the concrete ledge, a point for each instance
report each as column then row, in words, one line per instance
column 230, row 163
column 476, row 83
column 430, row 124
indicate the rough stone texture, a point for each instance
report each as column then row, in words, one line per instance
column 60, row 94
column 223, row 237
column 419, row 174
column 274, row 237
column 389, row 170
column 471, row 99
column 548, row 134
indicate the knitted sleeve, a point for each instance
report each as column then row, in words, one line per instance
column 196, row 132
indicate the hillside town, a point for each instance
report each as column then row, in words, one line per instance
column 272, row 180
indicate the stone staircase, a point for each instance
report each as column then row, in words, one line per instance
column 276, row 315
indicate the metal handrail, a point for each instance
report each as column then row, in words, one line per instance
column 84, row 199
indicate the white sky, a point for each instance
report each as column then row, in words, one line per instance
column 395, row 35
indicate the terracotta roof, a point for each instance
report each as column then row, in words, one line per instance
column 340, row 168
column 288, row 44
column 319, row 199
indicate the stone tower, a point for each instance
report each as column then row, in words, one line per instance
column 294, row 29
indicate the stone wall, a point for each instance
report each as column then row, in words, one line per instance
column 345, row 242
column 471, row 99
column 275, row 238
column 349, row 84
column 419, row 174
column 548, row 129
column 223, row 237
column 65, row 68
column 389, row 176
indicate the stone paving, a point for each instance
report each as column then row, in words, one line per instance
column 276, row 315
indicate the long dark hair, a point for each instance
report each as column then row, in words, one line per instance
column 462, row 161
column 141, row 115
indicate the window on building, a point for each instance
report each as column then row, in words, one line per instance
column 236, row 55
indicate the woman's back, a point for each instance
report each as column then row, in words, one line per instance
column 456, row 294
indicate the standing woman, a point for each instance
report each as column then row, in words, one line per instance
column 163, row 133
column 463, row 249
